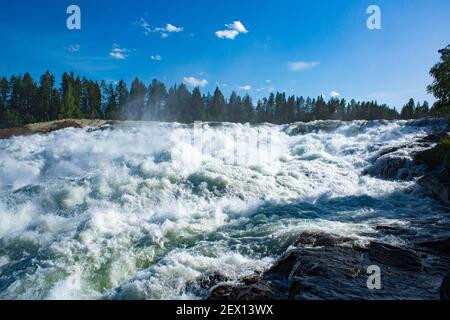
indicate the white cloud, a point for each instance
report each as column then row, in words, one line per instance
column 227, row 34
column 163, row 31
column 237, row 26
column 334, row 94
column 172, row 28
column 233, row 30
column 119, row 53
column 156, row 57
column 145, row 25
column 298, row 66
column 194, row 82
column 268, row 81
column 246, row 87
column 73, row 48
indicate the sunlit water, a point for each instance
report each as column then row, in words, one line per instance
column 141, row 211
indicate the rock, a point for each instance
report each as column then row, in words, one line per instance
column 439, row 246
column 324, row 266
column 252, row 292
column 47, row 127
column 394, row 256
column 390, row 229
column 212, row 280
column 428, row 158
column 441, row 190
column 320, row 239
column 390, row 167
column 445, row 288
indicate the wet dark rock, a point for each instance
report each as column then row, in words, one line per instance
column 433, row 183
column 394, row 256
column 429, row 158
column 320, row 239
column 390, row 167
column 390, row 229
column 252, row 292
column 445, row 288
column 438, row 246
column 324, row 266
column 212, row 280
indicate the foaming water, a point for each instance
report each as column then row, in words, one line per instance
column 143, row 210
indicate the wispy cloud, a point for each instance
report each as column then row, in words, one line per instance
column 268, row 89
column 246, row 87
column 163, row 31
column 335, row 94
column 194, row 82
column 298, row 66
column 232, row 31
column 156, row 57
column 73, row 48
column 119, row 53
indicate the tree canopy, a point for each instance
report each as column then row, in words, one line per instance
column 23, row 100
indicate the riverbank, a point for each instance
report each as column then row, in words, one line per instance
column 47, row 127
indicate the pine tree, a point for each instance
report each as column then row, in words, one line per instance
column 156, row 108
column 44, row 97
column 441, row 84
column 246, row 110
column 408, row 110
column 232, row 113
column 4, row 91
column 68, row 108
column 197, row 106
column 136, row 100
column 216, row 108
column 122, row 99
column 112, row 111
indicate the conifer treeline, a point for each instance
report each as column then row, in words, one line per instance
column 23, row 100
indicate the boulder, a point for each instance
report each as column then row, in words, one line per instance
column 252, row 292
column 439, row 246
column 441, row 190
column 320, row 239
column 393, row 256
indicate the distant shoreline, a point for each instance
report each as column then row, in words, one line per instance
column 51, row 126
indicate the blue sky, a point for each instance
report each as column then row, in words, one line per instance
column 301, row 47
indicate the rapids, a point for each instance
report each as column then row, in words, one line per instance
column 143, row 210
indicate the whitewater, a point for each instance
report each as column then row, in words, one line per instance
column 144, row 210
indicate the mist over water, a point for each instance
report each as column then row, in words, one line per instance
column 143, row 210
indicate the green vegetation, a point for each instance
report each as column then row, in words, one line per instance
column 24, row 101
column 441, row 84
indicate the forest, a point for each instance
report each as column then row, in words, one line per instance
column 24, row 100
